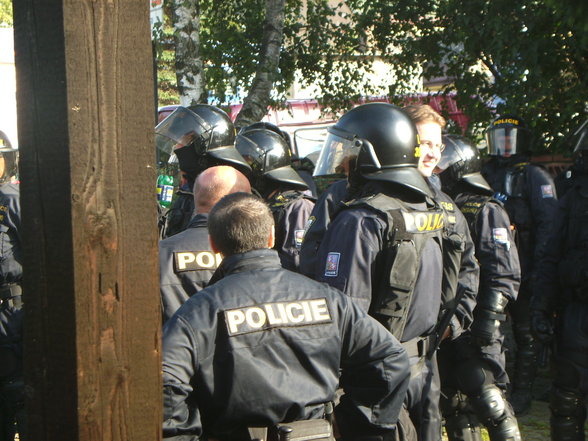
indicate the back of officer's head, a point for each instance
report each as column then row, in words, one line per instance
column 214, row 183
column 240, row 222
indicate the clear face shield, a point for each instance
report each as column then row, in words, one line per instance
column 181, row 128
column 507, row 141
column 338, row 154
column 452, row 155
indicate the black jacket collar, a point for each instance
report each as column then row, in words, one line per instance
column 249, row 261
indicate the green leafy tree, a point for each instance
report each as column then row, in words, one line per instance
column 6, row 14
column 526, row 57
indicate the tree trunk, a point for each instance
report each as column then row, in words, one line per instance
column 189, row 66
column 256, row 104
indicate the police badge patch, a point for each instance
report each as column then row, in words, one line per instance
column 500, row 235
column 332, row 267
column 546, row 191
column 298, row 238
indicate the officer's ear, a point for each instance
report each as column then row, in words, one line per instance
column 271, row 241
column 213, row 246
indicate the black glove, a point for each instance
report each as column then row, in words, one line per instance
column 488, row 314
column 483, row 328
column 541, row 326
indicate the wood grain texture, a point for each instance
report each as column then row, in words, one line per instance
column 85, row 100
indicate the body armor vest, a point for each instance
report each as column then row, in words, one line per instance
column 517, row 205
column 408, row 229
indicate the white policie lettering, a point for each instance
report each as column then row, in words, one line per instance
column 270, row 315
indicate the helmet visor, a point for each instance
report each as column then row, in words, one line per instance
column 451, row 155
column 337, row 153
column 580, row 139
column 181, row 128
column 507, row 141
column 252, row 153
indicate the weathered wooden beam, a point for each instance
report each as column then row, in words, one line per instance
column 85, row 116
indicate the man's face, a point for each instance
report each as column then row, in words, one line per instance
column 431, row 145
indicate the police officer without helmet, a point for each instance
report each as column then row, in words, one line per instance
column 559, row 306
column 529, row 196
column 199, row 136
column 459, row 263
column 262, row 345
column 186, row 261
column 12, row 412
column 472, row 367
column 384, row 249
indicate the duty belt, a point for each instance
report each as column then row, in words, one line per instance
column 10, row 294
column 416, row 347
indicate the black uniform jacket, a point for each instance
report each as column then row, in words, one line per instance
column 531, row 203
column 320, row 217
column 291, row 216
column 469, row 270
column 186, row 264
column 10, row 243
column 264, row 345
column 496, row 250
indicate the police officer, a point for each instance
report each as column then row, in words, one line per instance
column 529, row 196
column 345, row 183
column 198, row 137
column 567, row 178
column 474, row 364
column 263, row 349
column 186, row 261
column 385, row 248
column 281, row 186
column 559, row 307
column 459, row 263
column 12, row 416
column 303, row 166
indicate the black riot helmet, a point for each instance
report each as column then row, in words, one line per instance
column 507, row 136
column 461, row 163
column 269, row 157
column 381, row 140
column 201, row 136
column 268, row 126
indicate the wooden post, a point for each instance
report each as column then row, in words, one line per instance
column 85, row 116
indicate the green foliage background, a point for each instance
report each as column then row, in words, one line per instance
column 5, row 13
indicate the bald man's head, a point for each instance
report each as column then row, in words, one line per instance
column 214, row 183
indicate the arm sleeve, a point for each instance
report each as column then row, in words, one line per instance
column 546, row 288
column 543, row 207
column 468, row 278
column 347, row 256
column 375, row 376
column 497, row 253
column 180, row 412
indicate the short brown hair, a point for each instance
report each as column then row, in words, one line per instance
column 240, row 222
column 421, row 113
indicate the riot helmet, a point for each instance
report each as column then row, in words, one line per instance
column 380, row 141
column 268, row 126
column 461, row 162
column 269, row 157
column 200, row 136
column 508, row 136
column 10, row 156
